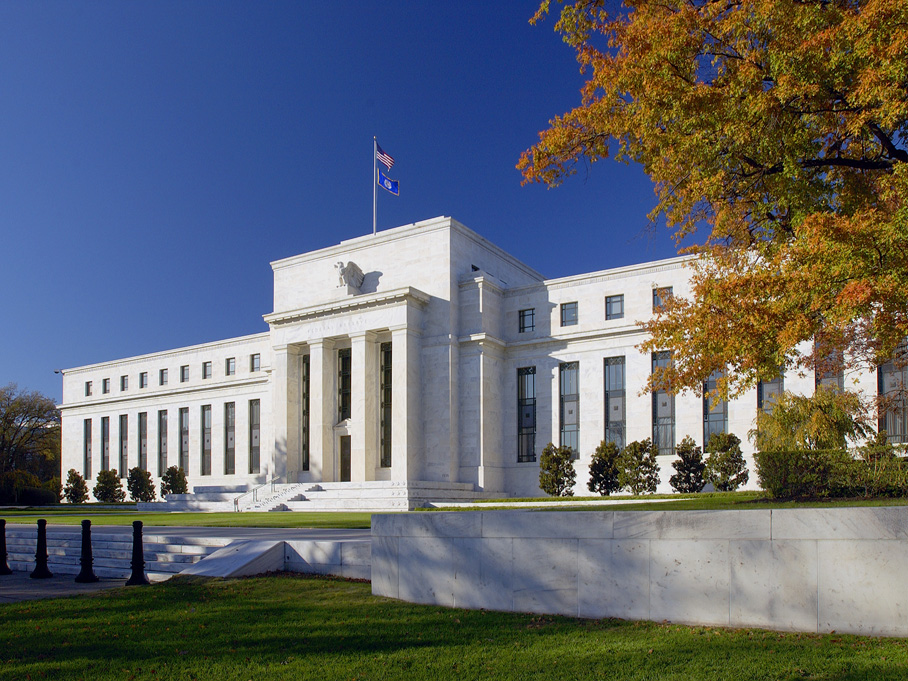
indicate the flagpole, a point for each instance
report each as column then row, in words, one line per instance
column 374, row 182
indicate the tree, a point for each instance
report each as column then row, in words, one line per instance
column 779, row 128
column 76, row 491
column 174, row 481
column 638, row 470
column 139, row 484
column 108, row 488
column 725, row 467
column 556, row 471
column 604, row 469
column 29, row 433
column 689, row 467
column 825, row 420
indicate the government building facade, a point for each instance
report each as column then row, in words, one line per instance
column 419, row 362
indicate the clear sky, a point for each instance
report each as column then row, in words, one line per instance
column 156, row 156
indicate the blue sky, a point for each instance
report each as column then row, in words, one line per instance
column 155, row 157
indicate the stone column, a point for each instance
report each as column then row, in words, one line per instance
column 407, row 452
column 364, row 412
column 285, row 377
column 322, row 411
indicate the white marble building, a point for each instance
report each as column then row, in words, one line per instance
column 423, row 355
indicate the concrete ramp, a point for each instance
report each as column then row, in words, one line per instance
column 240, row 559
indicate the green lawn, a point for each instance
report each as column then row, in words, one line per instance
column 65, row 515
column 296, row 627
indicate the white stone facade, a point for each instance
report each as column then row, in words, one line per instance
column 444, row 306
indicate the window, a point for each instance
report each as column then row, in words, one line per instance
column 184, row 440
column 229, row 438
column 105, row 443
column 526, row 320
column 206, row 370
column 663, row 410
column 570, row 406
column 184, row 373
column 304, row 415
column 384, row 390
column 87, row 388
column 124, row 445
column 205, row 468
column 344, row 379
column 230, row 366
column 124, row 383
column 254, row 427
column 105, row 388
column 660, row 295
column 143, row 380
column 768, row 392
column 526, row 414
column 715, row 409
column 614, row 307
column 568, row 314
column 162, row 377
column 615, row 400
column 86, row 448
column 162, row 441
column 255, row 362
column 143, row 440
column 892, row 383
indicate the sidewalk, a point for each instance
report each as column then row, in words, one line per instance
column 20, row 587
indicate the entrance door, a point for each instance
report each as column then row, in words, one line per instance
column 345, row 458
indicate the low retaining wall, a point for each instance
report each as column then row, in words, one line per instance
column 815, row 570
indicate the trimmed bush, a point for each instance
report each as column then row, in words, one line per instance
column 725, row 467
column 638, row 470
column 690, row 467
column 556, row 471
column 806, row 473
column 76, row 491
column 139, row 484
column 38, row 496
column 174, row 481
column 604, row 469
column 108, row 487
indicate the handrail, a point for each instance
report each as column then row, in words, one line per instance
column 254, row 492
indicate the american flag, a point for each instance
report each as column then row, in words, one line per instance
column 383, row 157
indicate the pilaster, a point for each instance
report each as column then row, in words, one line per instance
column 364, row 412
column 406, row 417
column 322, row 413
column 285, row 376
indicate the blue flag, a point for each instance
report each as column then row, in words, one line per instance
column 386, row 182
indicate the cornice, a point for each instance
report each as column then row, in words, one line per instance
column 357, row 303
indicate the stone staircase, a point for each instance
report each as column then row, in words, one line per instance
column 112, row 553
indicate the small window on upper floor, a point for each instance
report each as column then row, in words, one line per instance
column 206, row 370
column 230, row 366
column 255, row 362
column 105, row 385
column 184, row 373
column 162, row 377
column 124, row 383
column 568, row 314
column 614, row 307
column 527, row 320
column 660, row 295
column 143, row 379
column 87, row 388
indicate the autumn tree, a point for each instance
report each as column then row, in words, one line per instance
column 29, row 433
column 778, row 127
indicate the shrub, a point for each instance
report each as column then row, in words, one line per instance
column 604, row 469
column 689, row 466
column 108, row 487
column 139, row 484
column 725, row 467
column 174, row 481
column 805, row 473
column 13, row 483
column 825, row 420
column 38, row 496
column 638, row 470
column 556, row 471
column 76, row 491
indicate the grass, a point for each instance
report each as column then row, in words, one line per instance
column 297, row 627
column 67, row 515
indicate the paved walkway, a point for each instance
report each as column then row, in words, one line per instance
column 276, row 533
column 20, row 587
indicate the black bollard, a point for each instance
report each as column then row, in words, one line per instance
column 41, row 571
column 138, row 577
column 87, row 575
column 4, row 565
